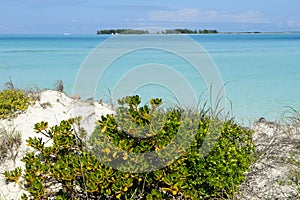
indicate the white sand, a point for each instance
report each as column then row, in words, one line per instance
column 62, row 108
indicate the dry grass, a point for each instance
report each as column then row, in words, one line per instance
column 10, row 142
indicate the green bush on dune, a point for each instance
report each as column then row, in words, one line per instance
column 12, row 102
column 67, row 170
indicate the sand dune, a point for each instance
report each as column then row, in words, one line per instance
column 53, row 107
column 273, row 141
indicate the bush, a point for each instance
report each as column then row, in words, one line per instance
column 192, row 175
column 64, row 170
column 12, row 102
column 67, row 170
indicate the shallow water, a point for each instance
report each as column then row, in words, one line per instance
column 261, row 71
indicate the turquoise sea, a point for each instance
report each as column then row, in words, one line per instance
column 261, row 71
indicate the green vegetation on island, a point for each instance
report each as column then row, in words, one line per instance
column 187, row 31
column 122, row 31
column 167, row 31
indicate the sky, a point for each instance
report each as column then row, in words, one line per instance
column 88, row 16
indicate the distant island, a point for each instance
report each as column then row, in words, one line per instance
column 183, row 31
column 122, row 31
column 167, row 31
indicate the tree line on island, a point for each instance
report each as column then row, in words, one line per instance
column 167, row 31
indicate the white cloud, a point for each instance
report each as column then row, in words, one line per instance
column 196, row 15
column 187, row 14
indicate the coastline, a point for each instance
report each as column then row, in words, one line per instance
column 273, row 143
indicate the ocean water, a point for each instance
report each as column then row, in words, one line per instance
column 261, row 72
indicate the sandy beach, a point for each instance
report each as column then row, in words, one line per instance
column 59, row 107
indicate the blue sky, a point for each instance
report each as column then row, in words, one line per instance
column 87, row 16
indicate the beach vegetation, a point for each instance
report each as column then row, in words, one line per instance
column 292, row 118
column 277, row 163
column 45, row 105
column 13, row 102
column 34, row 93
column 9, row 85
column 70, row 168
column 59, row 86
column 10, row 142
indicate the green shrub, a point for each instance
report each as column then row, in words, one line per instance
column 12, row 102
column 67, row 170
column 192, row 175
column 64, row 170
